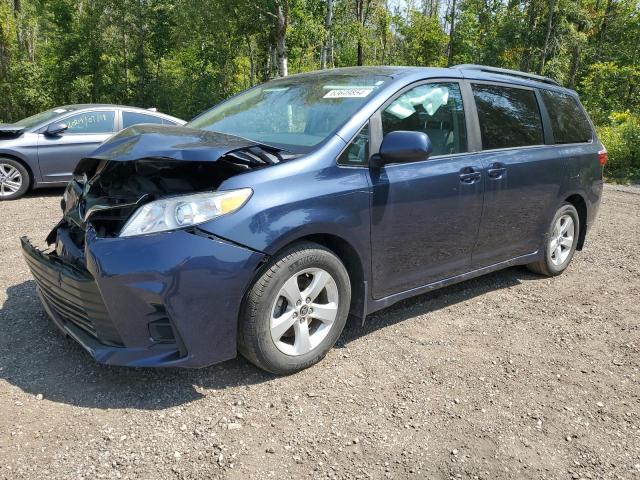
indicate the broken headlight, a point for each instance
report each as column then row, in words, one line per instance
column 183, row 211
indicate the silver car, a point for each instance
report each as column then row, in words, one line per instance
column 43, row 150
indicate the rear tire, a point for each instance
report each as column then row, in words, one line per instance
column 14, row 179
column 296, row 310
column 560, row 242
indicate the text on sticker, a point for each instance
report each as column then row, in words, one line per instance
column 348, row 93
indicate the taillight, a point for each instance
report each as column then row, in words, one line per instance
column 603, row 156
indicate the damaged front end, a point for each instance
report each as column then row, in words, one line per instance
column 147, row 300
column 145, row 163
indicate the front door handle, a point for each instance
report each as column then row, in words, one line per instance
column 496, row 170
column 469, row 175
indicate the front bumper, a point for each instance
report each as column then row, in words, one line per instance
column 168, row 299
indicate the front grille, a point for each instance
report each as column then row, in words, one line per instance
column 71, row 293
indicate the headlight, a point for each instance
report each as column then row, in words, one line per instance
column 184, row 211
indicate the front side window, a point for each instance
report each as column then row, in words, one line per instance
column 295, row 114
column 509, row 117
column 435, row 109
column 569, row 123
column 357, row 153
column 91, row 122
column 134, row 118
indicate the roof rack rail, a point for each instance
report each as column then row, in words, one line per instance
column 506, row 71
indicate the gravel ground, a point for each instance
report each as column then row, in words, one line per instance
column 506, row 376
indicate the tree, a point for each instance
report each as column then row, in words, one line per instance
column 326, row 57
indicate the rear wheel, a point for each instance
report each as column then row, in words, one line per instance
column 296, row 310
column 560, row 242
column 14, row 179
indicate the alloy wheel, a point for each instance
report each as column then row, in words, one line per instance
column 561, row 240
column 10, row 180
column 304, row 311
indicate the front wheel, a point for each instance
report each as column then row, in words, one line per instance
column 296, row 310
column 14, row 179
column 560, row 242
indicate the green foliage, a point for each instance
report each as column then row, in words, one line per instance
column 183, row 56
column 425, row 42
column 622, row 140
column 608, row 87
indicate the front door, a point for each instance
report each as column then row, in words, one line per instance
column 425, row 215
column 58, row 155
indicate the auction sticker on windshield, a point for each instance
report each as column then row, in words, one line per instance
column 348, row 93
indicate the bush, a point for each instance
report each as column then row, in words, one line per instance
column 622, row 140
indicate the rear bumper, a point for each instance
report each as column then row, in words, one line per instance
column 170, row 299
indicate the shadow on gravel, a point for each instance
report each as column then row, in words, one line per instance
column 36, row 358
column 45, row 192
column 436, row 300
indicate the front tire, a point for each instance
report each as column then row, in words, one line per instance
column 14, row 179
column 560, row 242
column 296, row 310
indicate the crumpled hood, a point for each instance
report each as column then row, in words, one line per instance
column 168, row 141
column 8, row 130
column 146, row 162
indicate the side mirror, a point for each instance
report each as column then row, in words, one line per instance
column 55, row 129
column 403, row 147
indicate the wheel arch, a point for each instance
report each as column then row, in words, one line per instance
column 580, row 205
column 348, row 255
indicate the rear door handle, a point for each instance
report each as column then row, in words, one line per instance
column 496, row 170
column 469, row 175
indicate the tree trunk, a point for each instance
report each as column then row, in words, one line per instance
column 575, row 64
column 327, row 54
column 282, row 19
column 547, row 37
column 452, row 33
column 525, row 61
column 603, row 27
column 252, row 62
column 362, row 14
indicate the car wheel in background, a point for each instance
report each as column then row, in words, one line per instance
column 560, row 242
column 14, row 179
column 296, row 310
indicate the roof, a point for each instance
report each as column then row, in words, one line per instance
column 467, row 71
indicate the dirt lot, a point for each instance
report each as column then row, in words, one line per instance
column 506, row 376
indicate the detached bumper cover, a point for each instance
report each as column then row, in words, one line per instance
column 169, row 299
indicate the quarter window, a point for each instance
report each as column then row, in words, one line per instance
column 509, row 117
column 435, row 109
column 134, row 118
column 90, row 122
column 357, row 153
column 569, row 123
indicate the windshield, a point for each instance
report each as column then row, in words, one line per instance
column 43, row 117
column 294, row 114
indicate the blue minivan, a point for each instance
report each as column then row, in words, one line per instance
column 266, row 222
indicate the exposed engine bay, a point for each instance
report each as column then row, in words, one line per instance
column 111, row 185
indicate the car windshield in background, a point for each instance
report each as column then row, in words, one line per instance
column 293, row 114
column 43, row 117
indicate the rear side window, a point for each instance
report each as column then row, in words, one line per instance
column 569, row 123
column 509, row 117
column 134, row 118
